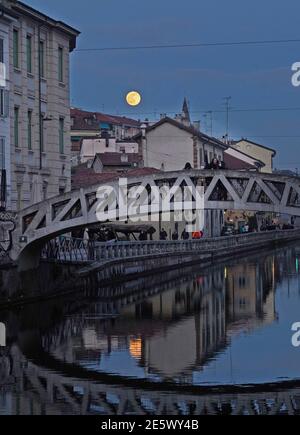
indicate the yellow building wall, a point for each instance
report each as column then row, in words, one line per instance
column 257, row 152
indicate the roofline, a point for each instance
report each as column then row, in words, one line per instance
column 262, row 164
column 23, row 8
column 113, row 119
column 190, row 130
column 257, row 144
column 115, row 153
column 8, row 12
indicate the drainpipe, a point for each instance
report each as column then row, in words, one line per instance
column 40, row 98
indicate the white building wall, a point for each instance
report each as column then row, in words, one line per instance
column 91, row 147
column 168, row 148
column 56, row 168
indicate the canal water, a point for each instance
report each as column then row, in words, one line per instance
column 166, row 341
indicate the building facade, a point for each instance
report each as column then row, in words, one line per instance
column 37, row 116
column 7, row 17
column 258, row 152
column 99, row 129
column 170, row 144
column 237, row 160
column 91, row 146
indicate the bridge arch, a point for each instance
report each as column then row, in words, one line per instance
column 223, row 189
column 82, row 389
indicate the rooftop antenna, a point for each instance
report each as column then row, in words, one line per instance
column 205, row 121
column 209, row 118
column 227, row 106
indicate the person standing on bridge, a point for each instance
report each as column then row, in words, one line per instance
column 163, row 234
column 185, row 235
column 143, row 236
column 175, row 235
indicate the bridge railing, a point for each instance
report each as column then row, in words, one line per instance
column 53, row 390
column 68, row 249
column 79, row 250
column 118, row 250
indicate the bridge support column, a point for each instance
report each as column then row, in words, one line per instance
column 29, row 258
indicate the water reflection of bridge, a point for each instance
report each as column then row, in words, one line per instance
column 44, row 391
column 50, row 380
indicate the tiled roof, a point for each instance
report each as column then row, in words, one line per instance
column 140, row 172
column 115, row 159
column 85, row 177
column 97, row 118
column 234, row 163
column 123, row 120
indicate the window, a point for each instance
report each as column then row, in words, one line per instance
column 29, row 129
column 1, row 50
column 60, row 64
column 42, row 58
column 205, row 157
column 29, row 53
column 61, row 135
column 2, row 64
column 88, row 121
column 201, row 156
column 4, row 103
column 16, row 48
column 16, row 126
column 2, row 153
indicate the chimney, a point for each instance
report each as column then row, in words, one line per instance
column 197, row 125
column 143, row 129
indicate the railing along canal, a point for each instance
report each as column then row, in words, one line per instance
column 80, row 250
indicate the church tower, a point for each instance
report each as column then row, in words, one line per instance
column 185, row 114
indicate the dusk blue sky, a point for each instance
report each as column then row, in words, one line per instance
column 256, row 77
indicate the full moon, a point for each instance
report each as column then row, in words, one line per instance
column 133, row 98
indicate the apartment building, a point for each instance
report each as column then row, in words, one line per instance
column 256, row 151
column 35, row 147
column 170, row 144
